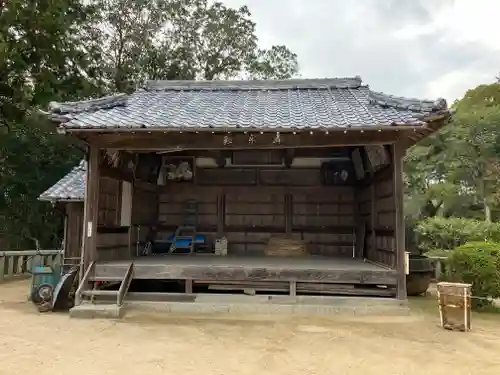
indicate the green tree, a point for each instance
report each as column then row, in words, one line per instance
column 33, row 160
column 46, row 53
column 63, row 50
column 278, row 62
column 129, row 36
column 456, row 171
column 184, row 39
column 476, row 152
column 220, row 43
column 429, row 190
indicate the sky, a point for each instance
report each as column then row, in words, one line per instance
column 426, row 49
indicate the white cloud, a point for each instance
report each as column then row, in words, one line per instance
column 418, row 48
column 470, row 22
column 456, row 81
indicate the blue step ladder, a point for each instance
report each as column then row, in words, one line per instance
column 185, row 235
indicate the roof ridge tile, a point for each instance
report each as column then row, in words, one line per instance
column 410, row 104
column 244, row 85
column 91, row 105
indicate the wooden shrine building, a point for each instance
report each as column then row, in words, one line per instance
column 279, row 187
column 68, row 195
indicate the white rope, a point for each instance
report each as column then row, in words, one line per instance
column 463, row 296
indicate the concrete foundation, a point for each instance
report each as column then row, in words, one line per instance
column 89, row 310
column 220, row 304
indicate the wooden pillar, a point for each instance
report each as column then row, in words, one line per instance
column 288, row 213
column 66, row 241
column 118, row 203
column 2, row 268
column 75, row 229
column 357, row 221
column 373, row 215
column 221, row 199
column 373, row 221
column 90, row 213
column 126, row 204
column 399, row 220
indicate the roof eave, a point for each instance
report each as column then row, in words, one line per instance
column 434, row 124
column 188, row 129
column 63, row 200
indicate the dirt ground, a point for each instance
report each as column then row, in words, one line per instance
column 33, row 343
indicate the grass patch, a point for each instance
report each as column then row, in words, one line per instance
column 428, row 305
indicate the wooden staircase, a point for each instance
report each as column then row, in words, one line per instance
column 89, row 297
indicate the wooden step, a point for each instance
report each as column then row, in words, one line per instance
column 89, row 275
column 106, row 278
column 97, row 293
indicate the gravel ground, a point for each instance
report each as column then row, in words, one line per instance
column 155, row 343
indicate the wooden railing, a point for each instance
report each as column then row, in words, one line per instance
column 19, row 262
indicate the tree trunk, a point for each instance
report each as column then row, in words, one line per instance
column 486, row 206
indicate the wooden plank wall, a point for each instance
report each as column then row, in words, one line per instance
column 171, row 203
column 251, row 215
column 138, row 237
column 248, row 205
column 113, row 241
column 326, row 220
column 365, row 205
column 74, row 230
column 376, row 207
column 109, row 201
column 109, row 244
column 144, row 204
column 385, row 216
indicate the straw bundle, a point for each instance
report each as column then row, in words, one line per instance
column 113, row 157
column 285, row 247
column 221, row 246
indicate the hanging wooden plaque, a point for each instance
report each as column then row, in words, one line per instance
column 357, row 162
column 377, row 156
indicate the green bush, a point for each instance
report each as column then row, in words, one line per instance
column 477, row 263
column 448, row 233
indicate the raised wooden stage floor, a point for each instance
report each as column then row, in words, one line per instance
column 271, row 271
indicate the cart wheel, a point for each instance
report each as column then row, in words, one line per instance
column 42, row 293
column 44, row 307
column 35, row 298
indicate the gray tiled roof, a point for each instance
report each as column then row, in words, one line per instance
column 69, row 188
column 222, row 105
